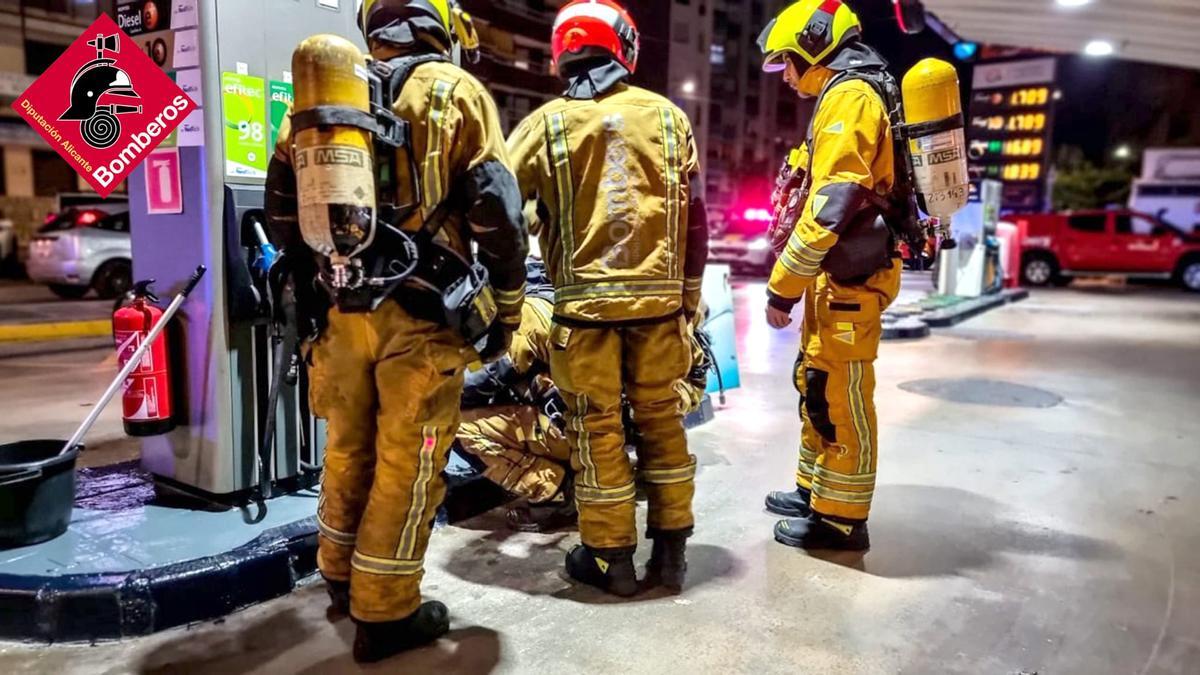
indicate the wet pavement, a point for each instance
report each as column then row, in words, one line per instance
column 1039, row 485
column 47, row 388
column 24, row 302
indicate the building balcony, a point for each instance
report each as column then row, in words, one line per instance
column 500, row 69
column 531, row 18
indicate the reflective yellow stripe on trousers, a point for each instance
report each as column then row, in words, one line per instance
column 560, row 155
column 672, row 476
column 585, row 447
column 420, row 495
column 858, row 412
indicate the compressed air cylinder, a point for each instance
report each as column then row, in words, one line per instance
column 937, row 143
column 334, row 163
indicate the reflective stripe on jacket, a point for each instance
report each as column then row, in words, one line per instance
column 612, row 178
column 851, row 156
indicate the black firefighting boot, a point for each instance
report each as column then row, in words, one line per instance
column 609, row 569
column 378, row 641
column 554, row 514
column 339, row 595
column 793, row 504
column 821, row 532
column 668, row 560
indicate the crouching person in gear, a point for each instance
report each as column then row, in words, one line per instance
column 840, row 257
column 614, row 172
column 514, row 420
column 391, row 251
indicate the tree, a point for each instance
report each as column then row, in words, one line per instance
column 1079, row 184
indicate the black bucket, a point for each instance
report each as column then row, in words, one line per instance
column 37, row 491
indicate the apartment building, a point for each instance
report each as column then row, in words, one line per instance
column 33, row 34
column 753, row 119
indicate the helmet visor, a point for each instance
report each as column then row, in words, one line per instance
column 774, row 62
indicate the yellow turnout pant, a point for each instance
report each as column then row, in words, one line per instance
column 521, row 450
column 592, row 366
column 835, row 375
column 389, row 386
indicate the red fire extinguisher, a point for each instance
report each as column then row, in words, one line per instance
column 146, row 393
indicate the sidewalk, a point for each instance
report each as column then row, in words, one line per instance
column 29, row 312
column 48, row 388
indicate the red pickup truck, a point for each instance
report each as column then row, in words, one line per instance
column 1058, row 246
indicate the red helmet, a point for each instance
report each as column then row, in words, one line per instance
column 585, row 27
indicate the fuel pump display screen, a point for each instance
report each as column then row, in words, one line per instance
column 1009, row 129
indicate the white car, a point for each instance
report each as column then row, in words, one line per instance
column 744, row 245
column 79, row 250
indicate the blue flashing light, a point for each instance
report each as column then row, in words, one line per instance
column 965, row 51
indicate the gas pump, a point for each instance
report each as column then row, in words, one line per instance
column 243, row 431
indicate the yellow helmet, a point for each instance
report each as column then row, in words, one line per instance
column 812, row 29
column 377, row 17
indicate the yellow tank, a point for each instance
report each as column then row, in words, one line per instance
column 335, row 168
column 936, row 140
column 931, row 92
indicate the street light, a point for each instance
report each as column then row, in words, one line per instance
column 689, row 87
column 1099, row 48
column 1073, row 3
column 1123, row 151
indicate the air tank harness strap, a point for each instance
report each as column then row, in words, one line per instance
column 932, row 127
column 898, row 208
column 326, row 115
column 394, row 139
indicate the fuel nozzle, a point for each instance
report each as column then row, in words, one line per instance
column 267, row 253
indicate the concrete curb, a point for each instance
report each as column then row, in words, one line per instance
column 956, row 314
column 910, row 322
column 90, row 607
column 59, row 330
column 907, row 328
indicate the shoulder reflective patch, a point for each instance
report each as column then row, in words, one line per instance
column 818, row 203
column 835, row 128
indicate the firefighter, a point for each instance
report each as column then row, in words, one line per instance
column 387, row 365
column 614, row 172
column 840, row 259
column 513, row 419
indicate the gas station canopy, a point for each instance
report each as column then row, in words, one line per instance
column 1157, row 31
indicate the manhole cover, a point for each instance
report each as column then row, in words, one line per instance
column 977, row 391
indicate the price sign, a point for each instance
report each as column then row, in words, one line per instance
column 1009, row 129
column 244, row 107
column 282, row 97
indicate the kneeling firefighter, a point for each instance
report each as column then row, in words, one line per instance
column 513, row 419
column 513, row 414
column 847, row 198
column 614, row 174
column 386, row 174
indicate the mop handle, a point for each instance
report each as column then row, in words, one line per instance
column 136, row 359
